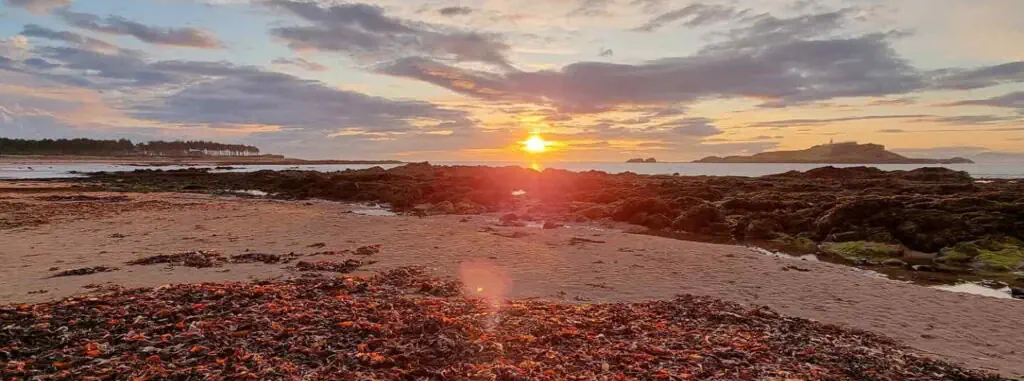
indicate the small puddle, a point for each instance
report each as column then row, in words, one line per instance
column 378, row 210
column 247, row 192
column 1002, row 292
column 976, row 289
column 777, row 254
column 519, row 193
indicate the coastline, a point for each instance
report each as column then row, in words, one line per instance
column 580, row 263
column 167, row 161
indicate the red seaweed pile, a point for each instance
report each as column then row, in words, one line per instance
column 382, row 328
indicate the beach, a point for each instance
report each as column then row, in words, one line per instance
column 53, row 227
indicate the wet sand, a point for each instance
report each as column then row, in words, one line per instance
column 972, row 330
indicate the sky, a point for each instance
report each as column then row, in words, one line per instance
column 599, row 80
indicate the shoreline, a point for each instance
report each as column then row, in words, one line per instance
column 145, row 161
column 582, row 263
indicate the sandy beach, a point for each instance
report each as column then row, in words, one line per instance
column 51, row 227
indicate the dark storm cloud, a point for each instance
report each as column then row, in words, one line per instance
column 38, row 6
column 364, row 30
column 772, row 59
column 1011, row 100
column 300, row 63
column 33, row 30
column 967, row 79
column 116, row 25
column 455, row 11
column 696, row 15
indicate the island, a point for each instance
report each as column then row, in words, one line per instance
column 834, row 153
column 642, row 160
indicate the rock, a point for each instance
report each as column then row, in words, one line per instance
column 761, row 229
column 923, row 268
column 912, row 255
column 596, row 212
column 863, row 250
column 657, row 221
column 1017, row 292
column 795, row 245
column 998, row 254
column 846, row 236
column 510, row 217
column 698, row 218
column 631, row 207
column 992, row 283
column 469, row 207
column 753, row 205
column 687, row 202
column 893, row 262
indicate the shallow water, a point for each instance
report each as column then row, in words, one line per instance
column 979, row 170
column 977, row 289
column 963, row 287
column 373, row 210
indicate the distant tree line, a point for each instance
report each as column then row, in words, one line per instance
column 122, row 147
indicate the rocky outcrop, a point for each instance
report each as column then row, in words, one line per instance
column 924, row 210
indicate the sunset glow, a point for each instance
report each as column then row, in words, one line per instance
column 601, row 80
column 535, row 144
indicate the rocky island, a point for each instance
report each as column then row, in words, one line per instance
column 642, row 160
column 837, row 153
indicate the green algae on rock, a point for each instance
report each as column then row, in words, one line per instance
column 997, row 254
column 863, row 250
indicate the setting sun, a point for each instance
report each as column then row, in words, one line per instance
column 535, row 144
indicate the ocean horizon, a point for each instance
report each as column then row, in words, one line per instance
column 977, row 170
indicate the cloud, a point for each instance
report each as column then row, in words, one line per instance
column 605, row 52
column 971, row 119
column 365, row 31
column 892, row 131
column 786, row 123
column 34, row 30
column 116, row 25
column 693, row 127
column 917, row 118
column 773, row 60
column 200, row 94
column 894, row 102
column 38, row 6
column 265, row 98
column 591, row 8
column 40, row 63
column 15, row 47
column 455, row 11
column 300, row 63
column 696, row 15
column 967, row 79
column 649, row 6
column 1011, row 100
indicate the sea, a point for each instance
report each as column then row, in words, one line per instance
column 977, row 170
